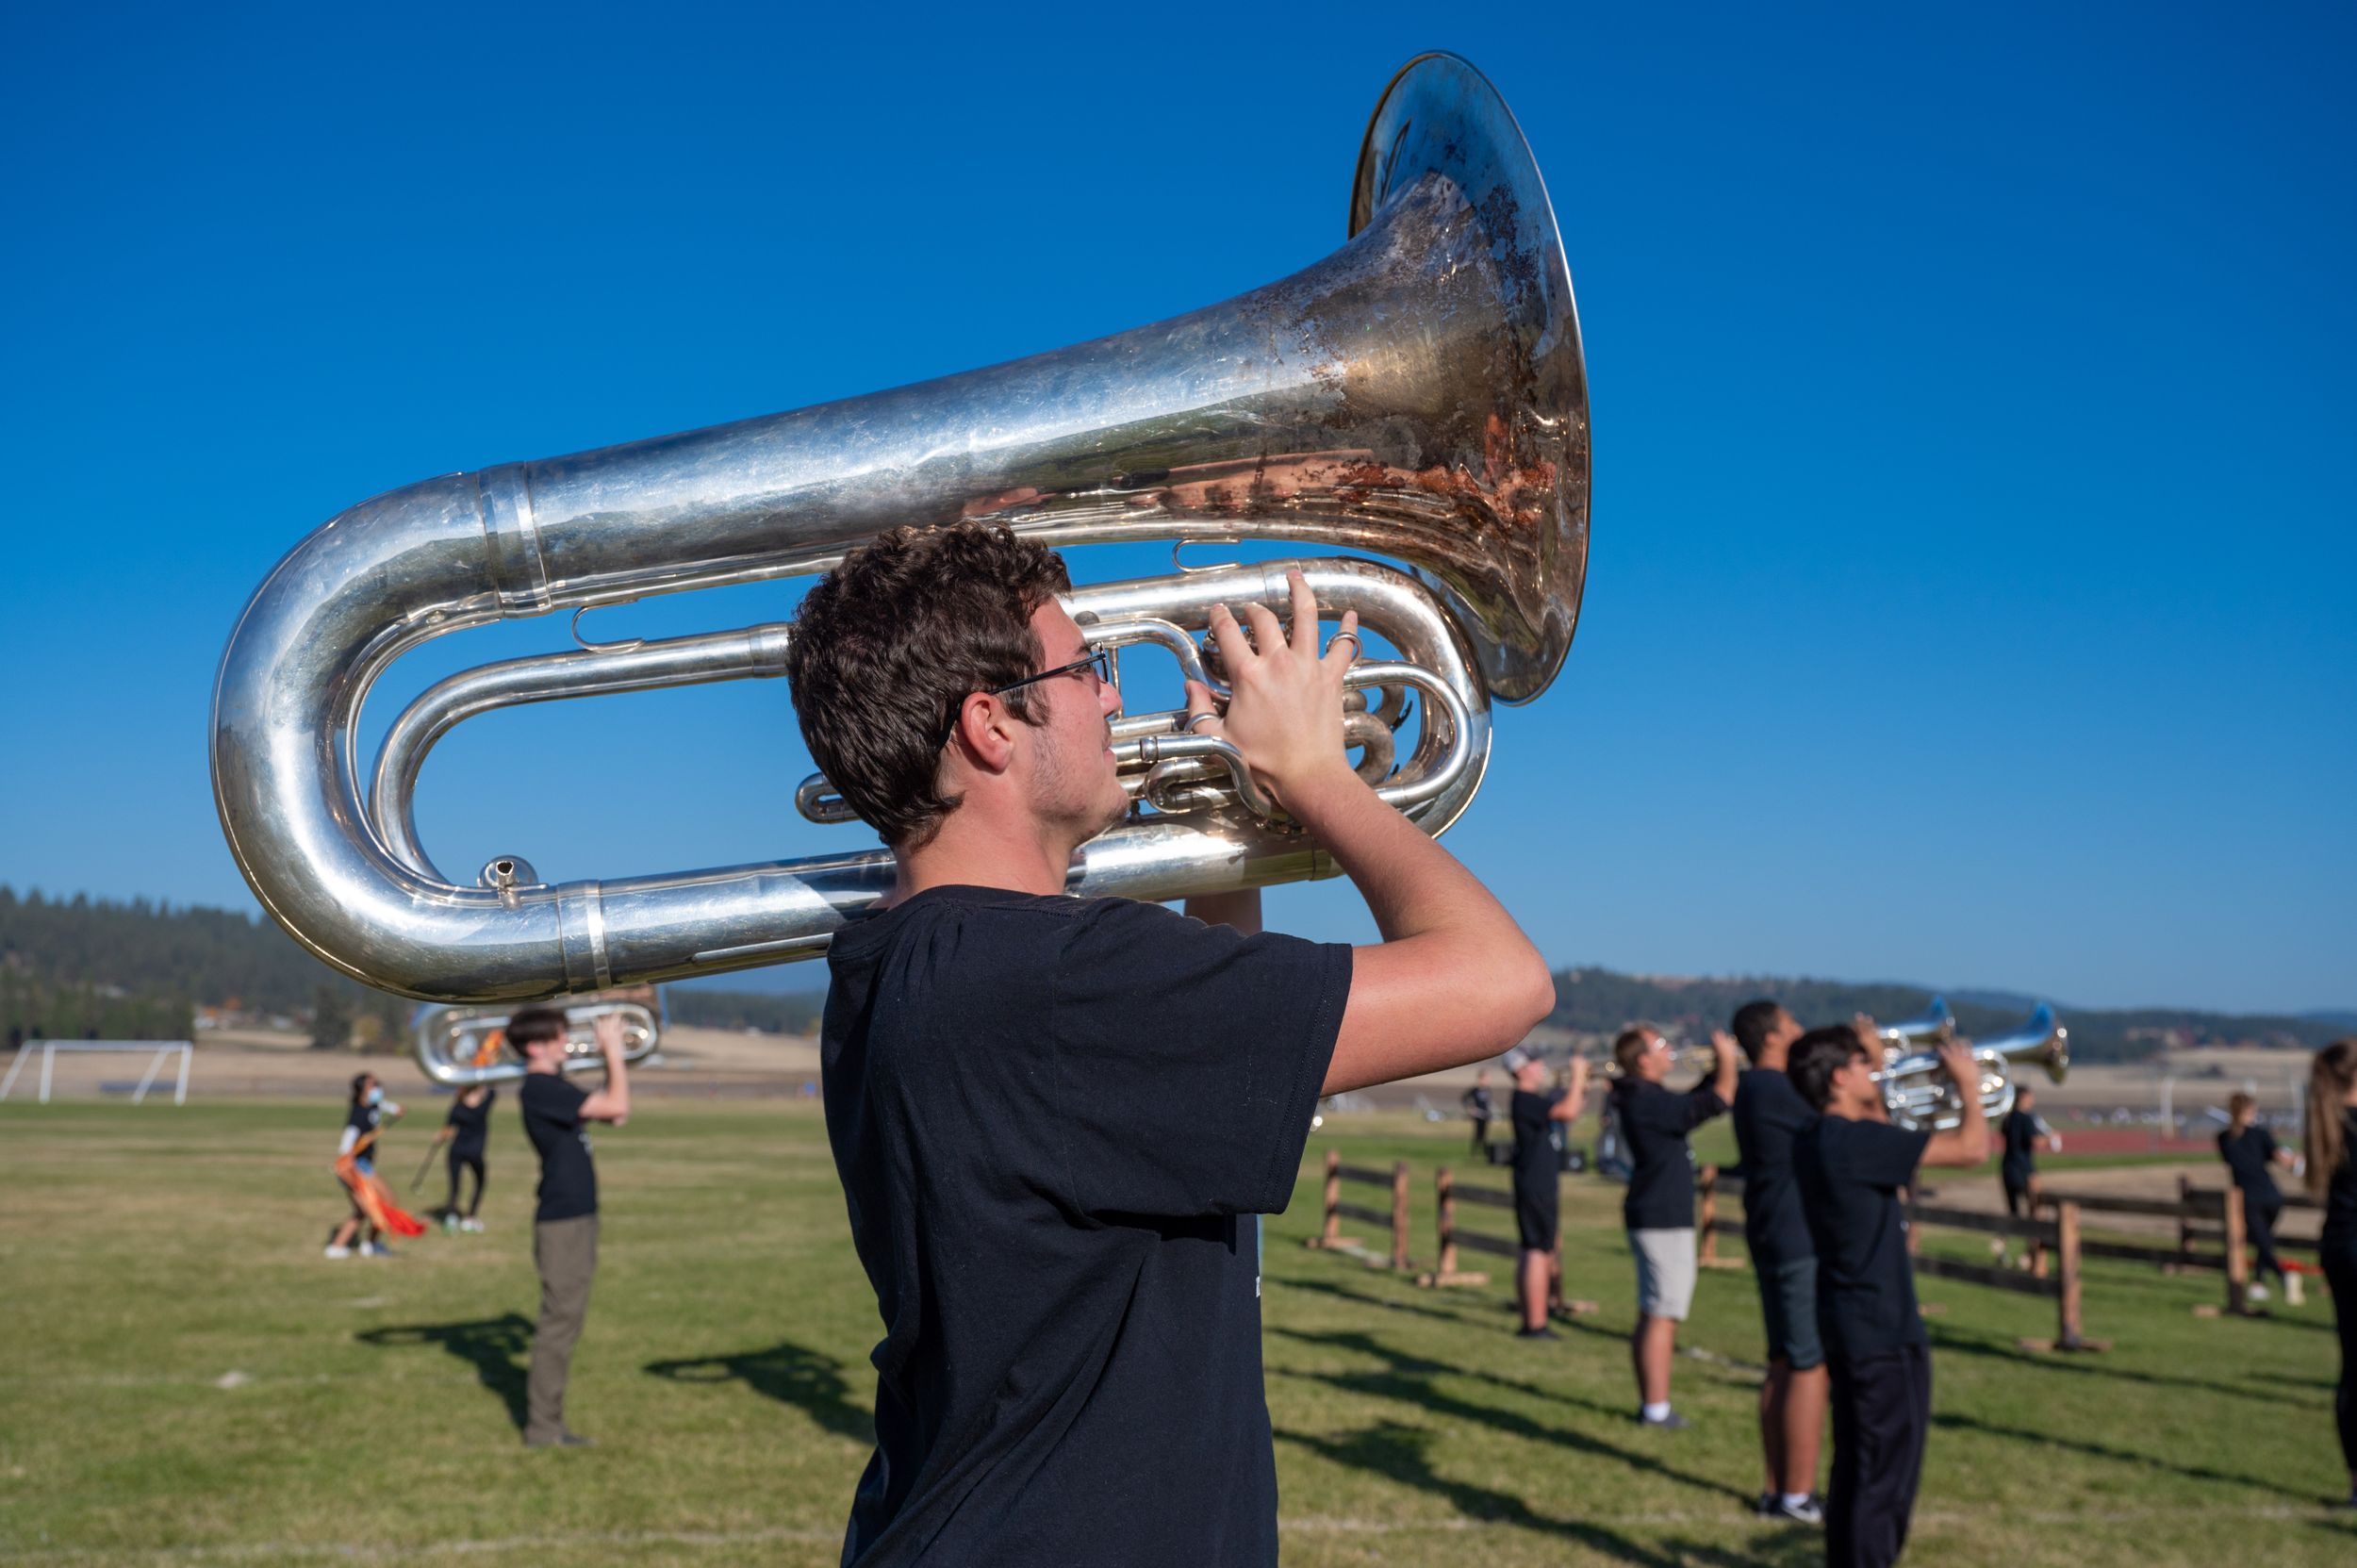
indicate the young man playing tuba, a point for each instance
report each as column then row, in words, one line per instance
column 1054, row 1118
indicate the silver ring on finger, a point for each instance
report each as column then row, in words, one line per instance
column 1356, row 646
column 1197, row 720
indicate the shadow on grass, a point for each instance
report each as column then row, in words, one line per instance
column 492, row 1346
column 1400, row 1453
column 1327, row 1287
column 1953, row 1423
column 1409, row 1379
column 789, row 1373
column 1949, row 1341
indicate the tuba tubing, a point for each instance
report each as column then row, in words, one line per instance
column 1418, row 394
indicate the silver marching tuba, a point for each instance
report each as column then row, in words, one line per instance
column 464, row 1046
column 1418, row 394
column 1917, row 1090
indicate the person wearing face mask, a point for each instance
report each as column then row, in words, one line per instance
column 365, row 1119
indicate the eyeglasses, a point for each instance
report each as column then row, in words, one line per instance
column 1101, row 660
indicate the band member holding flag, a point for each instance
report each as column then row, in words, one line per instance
column 1058, row 1119
column 364, row 1120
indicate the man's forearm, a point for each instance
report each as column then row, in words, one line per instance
column 1412, row 886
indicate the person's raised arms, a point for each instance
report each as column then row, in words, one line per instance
column 611, row 1103
column 1454, row 979
column 1968, row 1143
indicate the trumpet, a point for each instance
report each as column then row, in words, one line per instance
column 464, row 1046
column 1921, row 1095
column 1420, row 394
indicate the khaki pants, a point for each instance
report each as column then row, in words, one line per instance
column 566, row 1251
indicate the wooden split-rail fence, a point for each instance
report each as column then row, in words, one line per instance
column 2204, row 1215
column 2055, row 1248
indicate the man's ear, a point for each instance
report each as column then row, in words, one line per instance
column 984, row 733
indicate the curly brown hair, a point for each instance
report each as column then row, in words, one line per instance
column 892, row 640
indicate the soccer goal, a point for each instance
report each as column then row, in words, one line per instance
column 157, row 1053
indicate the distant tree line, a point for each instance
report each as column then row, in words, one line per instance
column 1600, row 1002
column 74, row 967
column 138, row 970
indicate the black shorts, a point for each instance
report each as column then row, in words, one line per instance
column 1540, row 1225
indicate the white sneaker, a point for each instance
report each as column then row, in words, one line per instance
column 472, row 1226
column 339, row 1252
column 2255, row 1292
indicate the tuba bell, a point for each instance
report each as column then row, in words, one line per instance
column 1419, row 394
column 1917, row 1090
column 464, row 1046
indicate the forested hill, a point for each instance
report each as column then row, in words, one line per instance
column 69, row 967
column 1600, row 1002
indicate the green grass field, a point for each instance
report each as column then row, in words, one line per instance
column 184, row 1378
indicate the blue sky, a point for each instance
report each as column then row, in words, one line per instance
column 1970, row 597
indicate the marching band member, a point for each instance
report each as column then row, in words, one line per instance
column 1852, row 1163
column 2332, row 1174
column 1055, row 1119
column 1480, row 1110
column 1769, row 1114
column 2248, row 1149
column 556, row 1115
column 467, row 1130
column 1540, row 1115
column 1658, row 1211
column 365, row 1119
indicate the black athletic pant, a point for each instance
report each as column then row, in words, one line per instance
column 2340, row 1272
column 2259, row 1218
column 1882, row 1411
column 1481, row 1135
column 2018, row 1200
column 465, row 1161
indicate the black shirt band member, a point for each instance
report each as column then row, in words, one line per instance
column 565, row 1224
column 1852, row 1163
column 2331, row 1175
column 467, row 1129
column 2022, row 1130
column 1057, row 1120
column 2249, row 1150
column 1540, row 1115
column 1480, row 1110
column 1769, row 1114
column 1658, row 1211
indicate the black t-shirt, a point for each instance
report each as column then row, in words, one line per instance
column 468, row 1123
column 1476, row 1102
column 1653, row 1123
column 2248, row 1157
column 1850, row 1175
column 568, row 1182
column 2339, row 1239
column 1048, row 1114
column 1769, row 1114
column 1538, row 1147
column 360, row 1121
column 2020, row 1130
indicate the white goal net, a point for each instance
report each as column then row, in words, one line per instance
column 103, row 1067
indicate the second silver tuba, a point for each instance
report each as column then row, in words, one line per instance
column 464, row 1046
column 1420, row 394
column 1917, row 1090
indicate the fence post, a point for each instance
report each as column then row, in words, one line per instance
column 2184, row 1221
column 2066, row 1299
column 1399, row 1214
column 2238, row 1264
column 1330, row 1234
column 1708, row 1180
column 1448, row 1224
